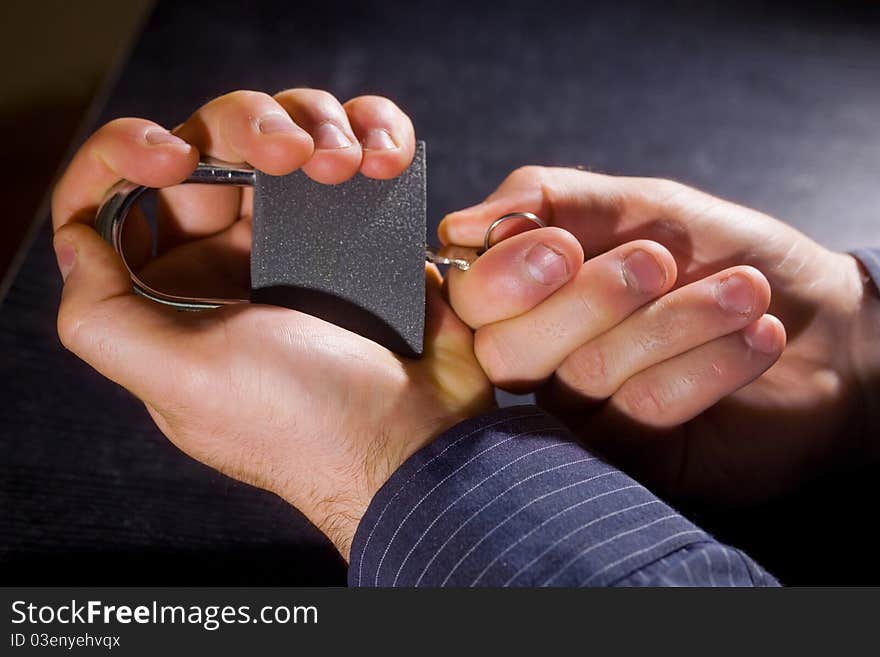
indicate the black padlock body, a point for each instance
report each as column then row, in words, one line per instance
column 352, row 254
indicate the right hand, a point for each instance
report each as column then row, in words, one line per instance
column 267, row 395
column 669, row 374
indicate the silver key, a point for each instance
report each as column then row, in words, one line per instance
column 462, row 257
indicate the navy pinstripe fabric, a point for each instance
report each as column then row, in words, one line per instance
column 511, row 499
column 870, row 258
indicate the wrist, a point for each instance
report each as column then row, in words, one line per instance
column 339, row 498
column 864, row 346
column 338, row 513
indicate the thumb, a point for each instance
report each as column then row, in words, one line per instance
column 514, row 276
column 100, row 320
column 449, row 360
column 468, row 227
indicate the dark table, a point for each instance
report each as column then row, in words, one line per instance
column 777, row 107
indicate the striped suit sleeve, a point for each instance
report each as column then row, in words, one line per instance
column 511, row 499
column 870, row 258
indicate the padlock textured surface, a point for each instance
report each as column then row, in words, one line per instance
column 352, row 254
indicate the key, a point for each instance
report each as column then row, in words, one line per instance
column 459, row 257
column 462, row 257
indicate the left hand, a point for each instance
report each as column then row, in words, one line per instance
column 658, row 349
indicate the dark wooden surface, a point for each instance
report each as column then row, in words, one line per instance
column 777, row 107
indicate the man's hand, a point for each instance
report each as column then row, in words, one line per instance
column 267, row 395
column 656, row 349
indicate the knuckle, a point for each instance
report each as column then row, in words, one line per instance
column 246, row 97
column 587, row 372
column 321, row 96
column 121, row 123
column 69, row 326
column 663, row 326
column 527, row 174
column 315, row 97
column 617, row 202
column 124, row 130
column 496, row 355
column 85, row 335
column 671, row 197
column 379, row 104
column 644, row 401
column 586, row 309
column 668, row 188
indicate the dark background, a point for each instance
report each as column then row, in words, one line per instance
column 776, row 106
column 56, row 55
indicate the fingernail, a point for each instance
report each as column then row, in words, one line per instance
column 66, row 256
column 643, row 273
column 761, row 337
column 329, row 136
column 736, row 295
column 378, row 139
column 546, row 265
column 157, row 137
column 272, row 124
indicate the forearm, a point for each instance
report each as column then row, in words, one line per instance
column 510, row 499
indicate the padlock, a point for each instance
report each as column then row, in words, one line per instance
column 352, row 254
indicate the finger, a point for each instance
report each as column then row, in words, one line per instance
column 337, row 155
column 703, row 232
column 102, row 322
column 681, row 388
column 554, row 194
column 137, row 150
column 448, row 359
column 514, row 276
column 242, row 126
column 601, row 211
column 443, row 329
column 215, row 267
column 249, row 126
column 193, row 212
column 386, row 135
column 520, row 352
column 672, row 325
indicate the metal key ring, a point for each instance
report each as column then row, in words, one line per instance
column 487, row 241
column 111, row 217
column 463, row 257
